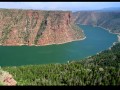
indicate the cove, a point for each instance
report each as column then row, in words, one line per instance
column 97, row 39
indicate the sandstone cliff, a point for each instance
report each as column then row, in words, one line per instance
column 6, row 78
column 108, row 20
column 33, row 27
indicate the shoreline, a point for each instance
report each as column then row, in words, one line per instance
column 84, row 37
column 102, row 28
column 118, row 37
column 107, row 30
column 118, row 34
column 114, row 43
column 47, row 44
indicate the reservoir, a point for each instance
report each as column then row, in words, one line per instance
column 97, row 39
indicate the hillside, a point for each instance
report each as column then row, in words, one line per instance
column 35, row 27
column 109, row 20
column 115, row 9
column 101, row 69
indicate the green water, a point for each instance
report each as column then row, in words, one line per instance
column 97, row 40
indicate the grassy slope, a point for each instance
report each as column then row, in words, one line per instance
column 102, row 69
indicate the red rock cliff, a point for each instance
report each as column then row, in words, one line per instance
column 32, row 27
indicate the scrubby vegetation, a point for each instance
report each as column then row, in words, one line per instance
column 5, row 33
column 42, row 27
column 101, row 69
column 77, row 28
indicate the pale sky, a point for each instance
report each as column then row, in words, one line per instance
column 59, row 5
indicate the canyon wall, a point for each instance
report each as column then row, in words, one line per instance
column 35, row 27
column 108, row 20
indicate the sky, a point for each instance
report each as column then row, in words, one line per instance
column 59, row 5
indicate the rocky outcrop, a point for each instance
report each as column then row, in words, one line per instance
column 33, row 27
column 6, row 79
column 108, row 20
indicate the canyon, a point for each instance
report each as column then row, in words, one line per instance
column 108, row 20
column 37, row 27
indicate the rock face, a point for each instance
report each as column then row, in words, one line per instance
column 7, row 79
column 33, row 27
column 108, row 20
